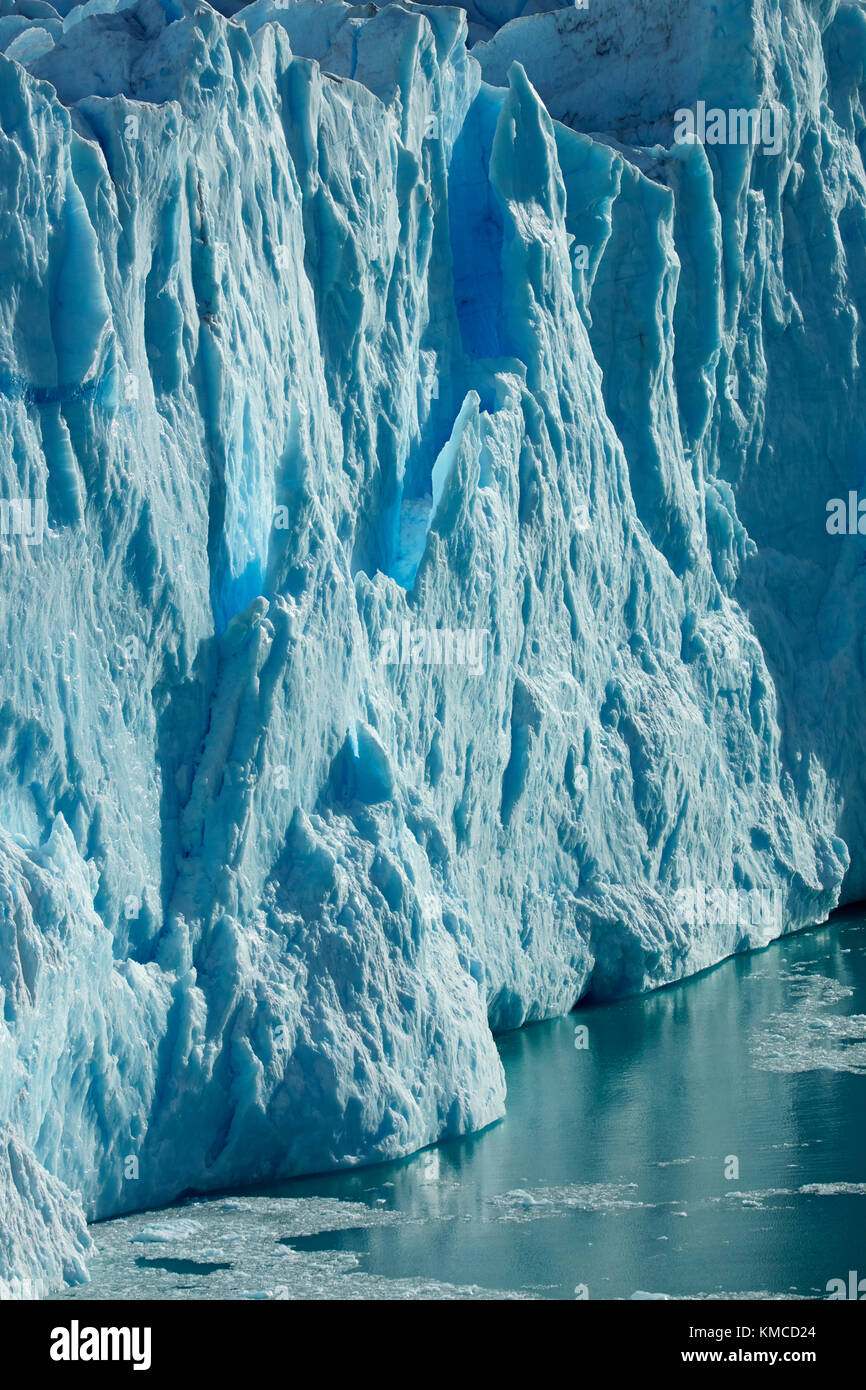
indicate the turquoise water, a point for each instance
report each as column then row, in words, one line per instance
column 609, row 1171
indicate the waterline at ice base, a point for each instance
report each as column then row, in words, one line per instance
column 428, row 593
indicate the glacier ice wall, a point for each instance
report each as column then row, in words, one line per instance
column 781, row 301
column 43, row 1238
column 402, row 610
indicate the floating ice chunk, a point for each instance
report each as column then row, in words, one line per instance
column 167, row 1232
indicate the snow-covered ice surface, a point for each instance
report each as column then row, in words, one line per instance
column 298, row 367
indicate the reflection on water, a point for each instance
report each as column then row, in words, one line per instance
column 708, row 1141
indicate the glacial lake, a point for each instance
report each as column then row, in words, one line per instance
column 612, row 1170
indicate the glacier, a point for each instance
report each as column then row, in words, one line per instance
column 414, row 579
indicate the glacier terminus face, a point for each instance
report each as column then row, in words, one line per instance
column 430, row 590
